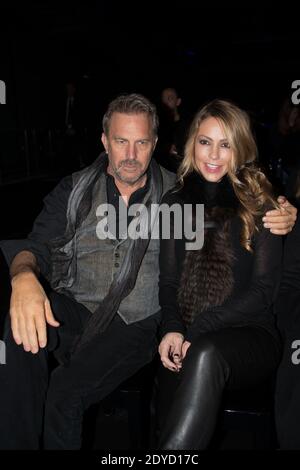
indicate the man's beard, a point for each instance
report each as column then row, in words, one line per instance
column 130, row 180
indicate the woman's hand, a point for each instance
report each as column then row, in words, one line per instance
column 184, row 348
column 170, row 350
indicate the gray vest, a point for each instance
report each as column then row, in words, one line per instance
column 96, row 261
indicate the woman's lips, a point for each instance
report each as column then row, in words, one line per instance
column 212, row 168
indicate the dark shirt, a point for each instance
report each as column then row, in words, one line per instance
column 114, row 197
column 256, row 276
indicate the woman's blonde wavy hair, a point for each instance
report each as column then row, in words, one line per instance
column 250, row 185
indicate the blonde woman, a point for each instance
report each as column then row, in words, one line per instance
column 218, row 327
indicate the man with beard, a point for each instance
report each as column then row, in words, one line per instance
column 101, row 314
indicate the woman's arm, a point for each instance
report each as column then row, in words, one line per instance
column 170, row 265
column 253, row 304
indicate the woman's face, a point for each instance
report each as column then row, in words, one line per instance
column 212, row 150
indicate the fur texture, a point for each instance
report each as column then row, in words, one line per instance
column 207, row 278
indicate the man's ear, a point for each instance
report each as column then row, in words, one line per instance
column 178, row 102
column 104, row 141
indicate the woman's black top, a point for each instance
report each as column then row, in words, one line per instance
column 256, row 274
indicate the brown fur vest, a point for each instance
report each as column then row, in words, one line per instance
column 207, row 279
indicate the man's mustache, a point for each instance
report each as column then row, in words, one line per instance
column 129, row 163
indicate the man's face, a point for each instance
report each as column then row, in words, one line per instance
column 129, row 144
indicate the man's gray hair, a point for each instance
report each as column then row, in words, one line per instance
column 131, row 104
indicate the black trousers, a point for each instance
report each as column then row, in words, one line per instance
column 31, row 402
column 189, row 401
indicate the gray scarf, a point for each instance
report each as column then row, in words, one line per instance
column 124, row 281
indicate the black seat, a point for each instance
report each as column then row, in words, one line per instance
column 246, row 419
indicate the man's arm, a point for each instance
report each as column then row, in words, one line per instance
column 281, row 221
column 24, row 262
column 49, row 224
column 29, row 306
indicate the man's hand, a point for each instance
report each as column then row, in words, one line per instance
column 281, row 221
column 30, row 310
column 170, row 351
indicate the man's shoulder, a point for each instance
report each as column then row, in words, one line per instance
column 88, row 170
column 61, row 191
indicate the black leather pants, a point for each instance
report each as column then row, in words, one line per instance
column 233, row 358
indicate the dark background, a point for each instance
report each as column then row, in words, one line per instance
column 250, row 55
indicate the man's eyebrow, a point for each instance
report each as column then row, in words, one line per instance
column 116, row 137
